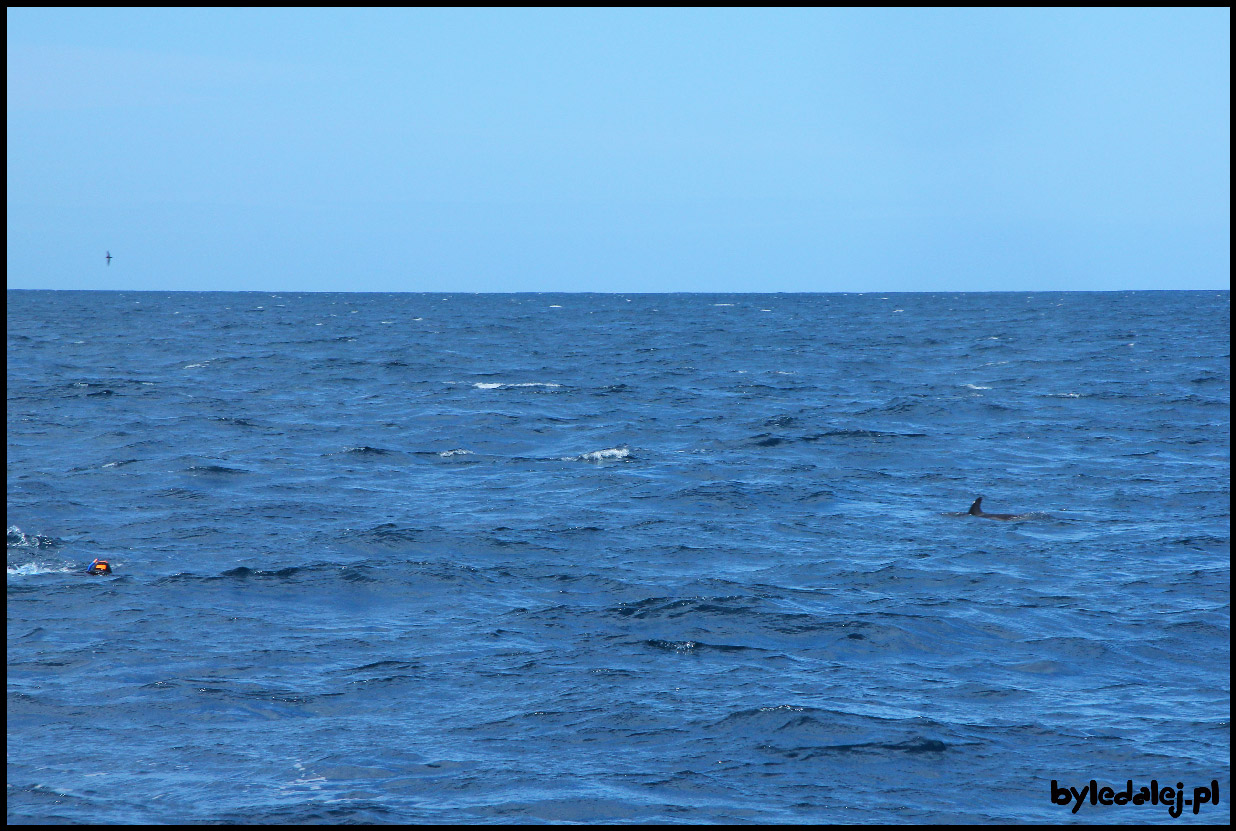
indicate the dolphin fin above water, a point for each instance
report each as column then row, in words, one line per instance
column 977, row 510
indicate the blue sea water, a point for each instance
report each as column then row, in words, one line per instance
column 606, row 558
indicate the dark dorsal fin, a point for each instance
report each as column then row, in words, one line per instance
column 977, row 507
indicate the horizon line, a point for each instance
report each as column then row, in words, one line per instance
column 461, row 291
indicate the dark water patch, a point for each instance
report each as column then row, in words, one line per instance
column 214, row 470
column 862, row 434
column 664, row 607
column 162, row 685
column 243, row 573
column 183, row 493
column 318, row 811
column 365, row 450
column 1203, row 542
column 388, row 534
column 385, row 666
column 912, row 746
column 234, row 421
column 697, row 647
column 359, row 574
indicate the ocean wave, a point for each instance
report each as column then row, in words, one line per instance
column 19, row 539
column 485, row 385
column 697, row 646
column 31, row 569
column 213, row 469
column 611, row 453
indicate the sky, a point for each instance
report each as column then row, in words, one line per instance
column 619, row 150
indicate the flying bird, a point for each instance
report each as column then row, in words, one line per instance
column 109, row 258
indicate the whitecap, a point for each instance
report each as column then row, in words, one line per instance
column 602, row 455
column 446, row 453
column 973, row 387
column 29, row 569
column 16, row 538
column 493, row 386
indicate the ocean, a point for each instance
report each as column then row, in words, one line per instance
column 600, row 558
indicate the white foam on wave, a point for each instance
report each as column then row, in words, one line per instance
column 601, row 455
column 17, row 538
column 446, row 453
column 492, row 386
column 30, row 569
column 973, row 387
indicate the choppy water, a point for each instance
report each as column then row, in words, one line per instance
column 646, row 558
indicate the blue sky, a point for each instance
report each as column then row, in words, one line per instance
column 619, row 150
